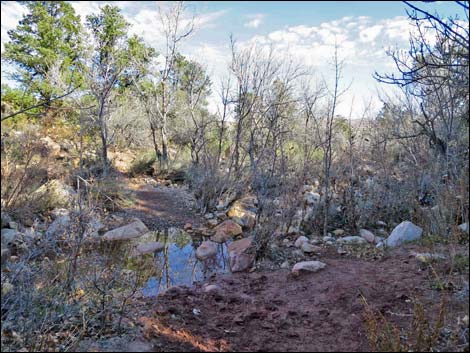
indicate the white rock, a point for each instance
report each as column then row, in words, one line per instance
column 367, row 235
column 404, row 232
column 351, row 240
column 308, row 266
column 211, row 288
column 300, row 240
column 464, row 227
column 309, row 248
column 129, row 231
column 381, row 223
column 338, row 232
column 285, row 264
column 311, row 198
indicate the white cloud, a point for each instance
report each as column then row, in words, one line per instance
column 254, row 20
column 12, row 12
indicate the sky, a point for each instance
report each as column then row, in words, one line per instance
column 307, row 31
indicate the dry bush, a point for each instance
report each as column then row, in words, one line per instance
column 422, row 336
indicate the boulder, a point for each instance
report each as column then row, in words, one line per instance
column 367, row 235
column 243, row 214
column 300, row 240
column 187, row 226
column 307, row 266
column 52, row 147
column 226, row 230
column 352, row 240
column 208, row 249
column 311, row 198
column 241, row 254
column 130, row 231
column 54, row 194
column 403, row 233
column 148, row 248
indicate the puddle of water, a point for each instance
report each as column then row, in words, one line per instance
column 177, row 263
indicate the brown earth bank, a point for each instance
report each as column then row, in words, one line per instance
column 275, row 311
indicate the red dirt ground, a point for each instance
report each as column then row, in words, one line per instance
column 274, row 311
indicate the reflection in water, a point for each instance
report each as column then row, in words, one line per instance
column 177, row 263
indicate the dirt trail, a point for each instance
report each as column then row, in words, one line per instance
column 161, row 206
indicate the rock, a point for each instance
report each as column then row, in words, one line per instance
column 212, row 222
column 54, row 194
column 13, row 225
column 6, row 219
column 367, row 235
column 221, row 215
column 464, row 227
column 187, row 226
column 382, row 232
column 309, row 248
column 211, row 288
column 208, row 216
column 242, row 213
column 378, row 240
column 148, row 248
column 5, row 254
column 129, row 231
column 241, row 254
column 328, row 238
column 59, row 212
column 226, row 230
column 308, row 188
column 300, row 240
column 426, row 258
column 9, row 236
column 381, row 224
column 285, row 265
column 94, row 226
column 206, row 250
column 338, row 232
column 58, row 227
column 402, row 233
column 351, row 240
column 52, row 147
column 7, row 287
column 307, row 266
column 311, row 198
